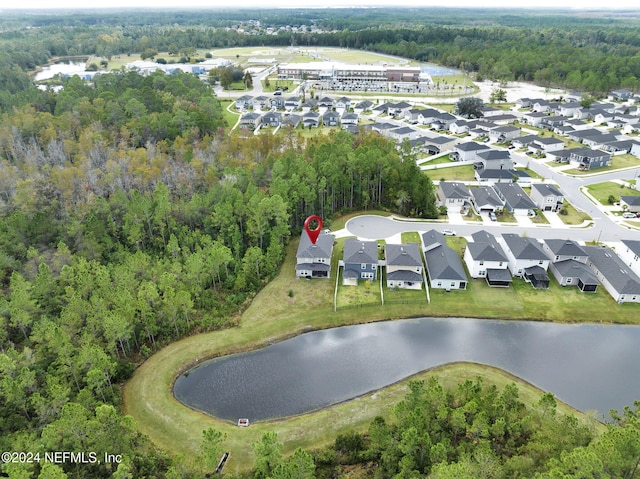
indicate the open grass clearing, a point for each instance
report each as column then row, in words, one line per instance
column 573, row 216
column 455, row 173
column 602, row 191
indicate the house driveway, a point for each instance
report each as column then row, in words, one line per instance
column 554, row 219
column 524, row 221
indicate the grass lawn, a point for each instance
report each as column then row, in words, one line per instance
column 455, row 173
column 446, row 159
column 602, row 191
column 573, row 216
column 410, row 237
column 617, row 163
column 230, row 117
column 286, row 307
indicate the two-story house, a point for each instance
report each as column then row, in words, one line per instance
column 360, row 261
column 546, row 197
column 444, row 267
column 485, row 258
column 454, row 195
column 403, row 265
column 314, row 260
column 569, row 264
column 527, row 259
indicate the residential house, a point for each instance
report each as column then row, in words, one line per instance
column 524, row 141
column 546, row 197
column 244, row 102
column 491, row 176
column 437, row 144
column 360, row 261
column 527, row 260
column 485, row 258
column 399, row 109
column 403, row 133
column 382, row 109
column 325, row 103
column 277, row 103
column 618, row 279
column 485, row 199
column 580, row 135
column 314, row 260
column 629, row 252
column 311, row 119
column 534, row 118
column 515, row 199
column 309, row 105
column 569, row 264
column 552, row 121
column 363, row 106
column 501, row 120
column 444, row 267
column 577, row 124
column 250, row 120
column 428, row 116
column 343, row 104
column 588, row 159
column 635, row 150
column 454, row 195
column 569, row 109
column 495, row 160
column 630, row 203
column 413, row 116
column 468, row 151
column 443, row 121
column 403, row 265
column 502, row 134
column 523, row 102
column 546, row 144
column 597, row 142
column 460, row 127
column 622, row 146
column 620, row 95
column 331, row 118
column 540, row 105
column 292, row 103
column 292, row 120
column 489, row 111
column 348, row 119
column 272, row 119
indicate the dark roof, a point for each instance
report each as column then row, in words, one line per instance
column 404, row 275
column 484, row 247
column 537, row 273
column 356, row 251
column 491, row 174
column 618, row 274
column 500, row 275
column 633, row 245
column 322, row 249
column 495, row 155
column 524, row 247
column 471, row 146
column 313, row 267
column 403, row 255
column 575, row 269
column 546, row 189
column 565, row 247
column 631, row 200
column 485, row 195
column 454, row 189
column 514, row 195
column 443, row 263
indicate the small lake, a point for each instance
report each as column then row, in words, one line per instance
column 65, row 68
column 591, row 367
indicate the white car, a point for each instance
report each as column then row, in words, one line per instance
column 628, row 214
column 448, row 232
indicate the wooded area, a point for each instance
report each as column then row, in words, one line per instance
column 130, row 218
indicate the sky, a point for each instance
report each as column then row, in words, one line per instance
column 538, row 4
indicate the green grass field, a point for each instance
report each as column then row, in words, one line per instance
column 602, row 191
column 455, row 173
column 573, row 216
column 286, row 306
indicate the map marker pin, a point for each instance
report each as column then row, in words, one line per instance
column 313, row 234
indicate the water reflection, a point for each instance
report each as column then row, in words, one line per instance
column 589, row 366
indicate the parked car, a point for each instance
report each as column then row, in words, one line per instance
column 628, row 214
column 492, row 216
column 448, row 232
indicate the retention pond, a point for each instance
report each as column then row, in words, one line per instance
column 591, row 367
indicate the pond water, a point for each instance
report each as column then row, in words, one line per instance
column 591, row 367
column 67, row 67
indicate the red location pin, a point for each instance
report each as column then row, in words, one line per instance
column 313, row 234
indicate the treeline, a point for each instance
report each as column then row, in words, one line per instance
column 129, row 218
column 594, row 54
column 476, row 431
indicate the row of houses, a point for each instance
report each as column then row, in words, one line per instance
column 457, row 197
column 497, row 260
column 310, row 119
column 295, row 103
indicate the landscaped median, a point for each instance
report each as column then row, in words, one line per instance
column 286, row 307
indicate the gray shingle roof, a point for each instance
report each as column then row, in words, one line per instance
column 356, row 251
column 404, row 275
column 322, row 249
column 633, row 245
column 486, row 196
column 484, row 247
column 546, row 189
column 565, row 247
column 631, row 200
column 403, row 255
column 524, row 247
column 514, row 195
column 618, row 274
column 454, row 189
column 575, row 269
column 443, row 263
